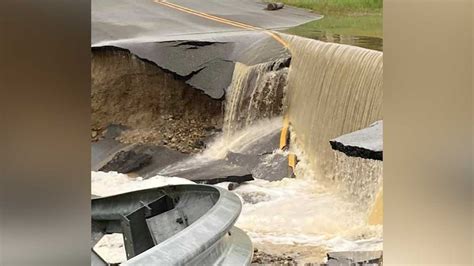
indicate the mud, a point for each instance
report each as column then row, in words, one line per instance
column 156, row 105
column 266, row 253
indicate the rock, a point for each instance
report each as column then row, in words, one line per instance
column 161, row 157
column 199, row 144
column 271, row 167
column 228, row 185
column 264, row 145
column 275, row 6
column 366, row 143
column 233, row 185
column 106, row 150
column 113, row 130
column 103, row 150
column 126, row 162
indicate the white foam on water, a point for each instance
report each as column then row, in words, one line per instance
column 113, row 183
column 302, row 212
column 111, row 248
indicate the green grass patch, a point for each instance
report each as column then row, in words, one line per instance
column 367, row 25
column 342, row 19
column 337, row 6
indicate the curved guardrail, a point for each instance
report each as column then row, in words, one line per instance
column 209, row 239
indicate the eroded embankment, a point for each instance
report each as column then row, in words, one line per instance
column 156, row 105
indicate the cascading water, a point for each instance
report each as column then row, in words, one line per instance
column 256, row 92
column 253, row 107
column 360, row 178
column 328, row 91
column 333, row 89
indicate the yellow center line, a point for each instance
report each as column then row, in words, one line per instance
column 208, row 15
column 222, row 20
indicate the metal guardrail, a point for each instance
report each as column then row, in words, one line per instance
column 209, row 239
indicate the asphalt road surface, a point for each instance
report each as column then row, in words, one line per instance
column 235, row 31
column 153, row 20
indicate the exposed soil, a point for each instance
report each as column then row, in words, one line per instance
column 267, row 253
column 157, row 106
column 260, row 257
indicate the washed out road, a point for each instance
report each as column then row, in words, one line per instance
column 199, row 40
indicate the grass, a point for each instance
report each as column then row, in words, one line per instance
column 369, row 25
column 361, row 18
column 337, row 6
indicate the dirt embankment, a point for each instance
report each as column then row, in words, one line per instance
column 157, row 105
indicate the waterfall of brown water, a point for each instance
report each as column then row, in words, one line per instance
column 256, row 92
column 361, row 178
column 333, row 89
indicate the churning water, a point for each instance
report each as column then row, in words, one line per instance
column 329, row 90
column 332, row 90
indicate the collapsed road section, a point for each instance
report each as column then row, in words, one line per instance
column 173, row 225
column 162, row 70
column 199, row 40
column 365, row 143
column 190, row 89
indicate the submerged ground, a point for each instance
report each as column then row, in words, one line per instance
column 354, row 22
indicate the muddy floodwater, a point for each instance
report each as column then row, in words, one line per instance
column 319, row 91
column 368, row 42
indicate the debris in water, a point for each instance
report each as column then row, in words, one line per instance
column 212, row 172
